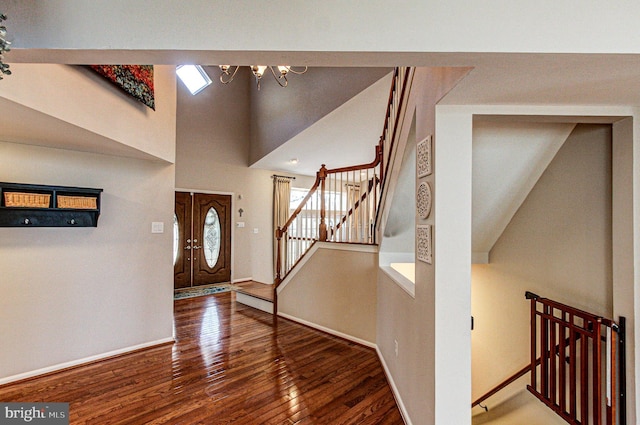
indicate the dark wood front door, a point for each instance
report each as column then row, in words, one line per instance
column 205, row 251
column 182, row 253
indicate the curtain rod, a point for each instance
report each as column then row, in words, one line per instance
column 284, row 177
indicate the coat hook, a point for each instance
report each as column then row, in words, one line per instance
column 240, row 211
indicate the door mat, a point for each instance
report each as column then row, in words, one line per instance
column 200, row 291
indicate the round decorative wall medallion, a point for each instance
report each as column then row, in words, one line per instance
column 423, row 201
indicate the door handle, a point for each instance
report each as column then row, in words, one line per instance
column 197, row 247
column 187, row 247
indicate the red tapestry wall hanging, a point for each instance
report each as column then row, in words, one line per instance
column 136, row 80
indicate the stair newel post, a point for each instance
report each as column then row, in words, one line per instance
column 322, row 231
column 278, row 256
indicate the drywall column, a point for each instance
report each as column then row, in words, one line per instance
column 622, row 243
column 452, row 258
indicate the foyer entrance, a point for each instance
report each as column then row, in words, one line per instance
column 202, row 239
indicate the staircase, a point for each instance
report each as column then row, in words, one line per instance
column 343, row 204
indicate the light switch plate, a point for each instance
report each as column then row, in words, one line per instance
column 240, row 224
column 157, row 227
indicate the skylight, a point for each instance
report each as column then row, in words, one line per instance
column 193, row 77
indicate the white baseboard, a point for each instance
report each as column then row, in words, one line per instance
column 242, row 279
column 254, row 302
column 79, row 362
column 328, row 330
column 394, row 389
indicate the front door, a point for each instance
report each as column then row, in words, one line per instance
column 204, row 239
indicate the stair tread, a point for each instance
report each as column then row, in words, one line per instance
column 260, row 290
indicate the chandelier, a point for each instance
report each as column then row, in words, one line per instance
column 4, row 47
column 227, row 72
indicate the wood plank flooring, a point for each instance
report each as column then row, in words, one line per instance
column 229, row 365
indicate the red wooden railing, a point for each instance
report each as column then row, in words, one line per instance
column 576, row 373
column 570, row 349
column 342, row 205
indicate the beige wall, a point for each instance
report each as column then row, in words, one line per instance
column 71, row 294
column 212, row 154
column 68, row 294
column 402, row 318
column 335, row 289
column 277, row 115
column 212, row 151
column 557, row 245
column 78, row 109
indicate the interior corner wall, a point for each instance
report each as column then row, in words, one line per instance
column 71, row 294
column 557, row 245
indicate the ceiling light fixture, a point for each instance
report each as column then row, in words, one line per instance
column 4, row 47
column 229, row 71
column 194, row 77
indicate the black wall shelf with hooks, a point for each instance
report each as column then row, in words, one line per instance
column 35, row 205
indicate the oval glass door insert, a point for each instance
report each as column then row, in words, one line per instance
column 176, row 238
column 211, row 237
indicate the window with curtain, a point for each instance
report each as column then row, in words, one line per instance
column 281, row 201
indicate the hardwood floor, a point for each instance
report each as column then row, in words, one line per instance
column 229, row 365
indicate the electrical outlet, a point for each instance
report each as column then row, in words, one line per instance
column 395, row 342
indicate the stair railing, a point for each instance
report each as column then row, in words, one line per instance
column 397, row 97
column 342, row 205
column 577, row 364
column 582, row 386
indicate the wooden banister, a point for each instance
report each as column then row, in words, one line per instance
column 319, row 218
column 519, row 374
column 502, row 385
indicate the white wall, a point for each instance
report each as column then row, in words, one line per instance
column 452, row 259
column 69, row 294
column 383, row 26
